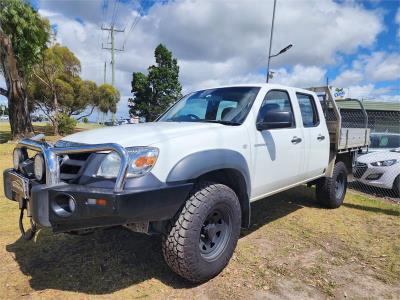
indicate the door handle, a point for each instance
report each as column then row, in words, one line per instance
column 320, row 137
column 296, row 140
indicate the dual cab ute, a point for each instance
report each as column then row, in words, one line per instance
column 192, row 174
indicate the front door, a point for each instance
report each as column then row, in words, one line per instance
column 278, row 153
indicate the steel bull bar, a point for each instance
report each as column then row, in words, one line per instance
column 51, row 156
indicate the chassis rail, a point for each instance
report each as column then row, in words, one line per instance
column 51, row 157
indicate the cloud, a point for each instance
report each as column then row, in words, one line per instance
column 367, row 71
column 348, row 77
column 370, row 92
column 219, row 42
column 376, row 67
column 300, row 76
column 381, row 66
column 231, row 34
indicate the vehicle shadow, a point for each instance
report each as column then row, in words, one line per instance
column 374, row 191
column 280, row 205
column 113, row 259
column 390, row 212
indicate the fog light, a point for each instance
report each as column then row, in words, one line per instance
column 63, row 205
column 18, row 157
column 374, row 176
column 38, row 167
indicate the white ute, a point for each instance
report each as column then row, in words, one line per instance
column 192, row 174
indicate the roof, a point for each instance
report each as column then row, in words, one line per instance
column 371, row 105
column 260, row 85
column 368, row 105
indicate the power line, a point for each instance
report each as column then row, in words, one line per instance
column 115, row 12
column 134, row 24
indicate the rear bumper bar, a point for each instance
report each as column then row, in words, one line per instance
column 118, row 208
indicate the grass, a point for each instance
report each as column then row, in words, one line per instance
column 294, row 249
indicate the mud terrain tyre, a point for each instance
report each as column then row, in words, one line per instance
column 201, row 239
column 331, row 191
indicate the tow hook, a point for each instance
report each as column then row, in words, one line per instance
column 29, row 233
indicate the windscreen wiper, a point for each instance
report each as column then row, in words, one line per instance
column 231, row 123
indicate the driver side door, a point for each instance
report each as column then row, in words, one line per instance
column 277, row 153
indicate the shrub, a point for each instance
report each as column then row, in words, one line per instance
column 66, row 124
column 85, row 120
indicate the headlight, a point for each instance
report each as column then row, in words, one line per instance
column 141, row 161
column 385, row 163
column 109, row 167
column 18, row 157
column 38, row 167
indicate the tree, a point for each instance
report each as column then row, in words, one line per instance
column 53, row 81
column 108, row 98
column 23, row 37
column 57, row 89
column 154, row 93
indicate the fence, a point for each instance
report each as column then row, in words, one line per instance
column 377, row 173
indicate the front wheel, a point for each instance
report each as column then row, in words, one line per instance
column 201, row 239
column 331, row 191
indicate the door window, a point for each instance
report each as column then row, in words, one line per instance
column 308, row 109
column 275, row 100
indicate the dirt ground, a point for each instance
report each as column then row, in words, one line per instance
column 294, row 249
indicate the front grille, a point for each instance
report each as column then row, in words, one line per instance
column 71, row 166
column 359, row 169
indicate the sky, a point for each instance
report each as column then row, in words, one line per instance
column 355, row 44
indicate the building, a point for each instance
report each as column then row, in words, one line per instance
column 382, row 116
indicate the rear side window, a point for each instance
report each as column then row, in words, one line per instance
column 275, row 100
column 308, row 109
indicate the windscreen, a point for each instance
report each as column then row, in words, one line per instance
column 228, row 105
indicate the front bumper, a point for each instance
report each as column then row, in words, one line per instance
column 381, row 177
column 119, row 208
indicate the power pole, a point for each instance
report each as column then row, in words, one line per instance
column 105, row 72
column 270, row 39
column 112, row 30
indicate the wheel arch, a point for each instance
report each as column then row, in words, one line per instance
column 223, row 166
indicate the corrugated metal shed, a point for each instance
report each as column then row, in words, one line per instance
column 371, row 105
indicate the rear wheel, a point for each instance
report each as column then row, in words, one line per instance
column 331, row 191
column 202, row 238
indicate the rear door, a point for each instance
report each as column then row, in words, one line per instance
column 277, row 153
column 316, row 136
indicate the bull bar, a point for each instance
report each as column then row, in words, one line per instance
column 51, row 157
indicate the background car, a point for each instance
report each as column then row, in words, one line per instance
column 4, row 118
column 379, row 169
column 381, row 141
column 123, row 121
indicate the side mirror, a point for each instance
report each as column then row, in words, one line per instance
column 275, row 119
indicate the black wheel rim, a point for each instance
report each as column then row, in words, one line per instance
column 215, row 234
column 339, row 186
